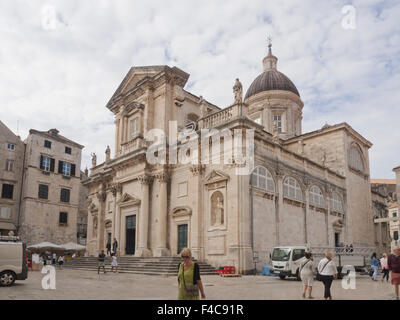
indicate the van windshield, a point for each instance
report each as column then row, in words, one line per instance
column 281, row 254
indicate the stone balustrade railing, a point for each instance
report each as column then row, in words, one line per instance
column 132, row 145
column 222, row 116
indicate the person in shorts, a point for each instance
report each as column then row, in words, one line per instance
column 101, row 259
column 307, row 270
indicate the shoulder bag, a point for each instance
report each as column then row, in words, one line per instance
column 190, row 290
column 319, row 276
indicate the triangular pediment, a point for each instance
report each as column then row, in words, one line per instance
column 127, row 198
column 216, row 176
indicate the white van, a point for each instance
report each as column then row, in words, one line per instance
column 13, row 264
column 286, row 260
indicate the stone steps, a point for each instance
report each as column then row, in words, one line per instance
column 139, row 265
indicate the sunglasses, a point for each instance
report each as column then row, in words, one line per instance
column 185, row 257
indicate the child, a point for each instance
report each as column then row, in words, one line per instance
column 114, row 263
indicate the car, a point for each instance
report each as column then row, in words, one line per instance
column 13, row 260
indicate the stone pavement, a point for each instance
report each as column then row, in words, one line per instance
column 79, row 284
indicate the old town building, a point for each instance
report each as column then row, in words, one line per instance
column 51, row 188
column 305, row 188
column 12, row 151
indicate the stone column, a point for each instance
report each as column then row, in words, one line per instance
column 306, row 209
column 101, row 196
column 117, row 135
column 143, row 250
column 278, row 205
column 162, row 250
column 117, row 191
column 196, row 239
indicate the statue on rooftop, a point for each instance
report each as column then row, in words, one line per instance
column 238, row 91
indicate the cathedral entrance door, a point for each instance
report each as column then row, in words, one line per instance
column 130, row 234
column 182, row 237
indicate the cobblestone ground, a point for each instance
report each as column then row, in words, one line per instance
column 77, row 284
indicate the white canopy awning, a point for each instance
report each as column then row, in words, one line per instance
column 45, row 245
column 71, row 246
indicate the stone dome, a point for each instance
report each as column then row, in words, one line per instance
column 271, row 79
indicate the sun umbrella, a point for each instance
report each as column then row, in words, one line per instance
column 71, row 246
column 45, row 246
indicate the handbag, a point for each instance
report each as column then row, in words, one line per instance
column 319, row 276
column 190, row 290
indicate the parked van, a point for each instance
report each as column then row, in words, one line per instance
column 286, row 260
column 13, row 264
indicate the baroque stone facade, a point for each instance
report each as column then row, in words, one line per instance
column 310, row 188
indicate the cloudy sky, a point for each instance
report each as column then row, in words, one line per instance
column 61, row 61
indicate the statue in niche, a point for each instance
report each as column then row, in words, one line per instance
column 238, row 91
column 217, row 209
column 94, row 160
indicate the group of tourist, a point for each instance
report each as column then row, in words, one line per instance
column 48, row 258
column 114, row 262
column 327, row 271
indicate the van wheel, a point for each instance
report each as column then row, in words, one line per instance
column 281, row 276
column 7, row 278
column 298, row 275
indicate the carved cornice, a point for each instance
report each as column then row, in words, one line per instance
column 145, row 179
column 181, row 211
column 197, row 170
column 162, row 176
column 116, row 187
column 101, row 195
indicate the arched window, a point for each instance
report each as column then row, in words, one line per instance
column 356, row 159
column 336, row 203
column 292, row 190
column 262, row 178
column 316, row 197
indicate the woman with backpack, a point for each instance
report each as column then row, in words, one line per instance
column 307, row 274
column 189, row 278
column 327, row 272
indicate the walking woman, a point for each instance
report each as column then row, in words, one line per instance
column 394, row 267
column 189, row 278
column 307, row 274
column 385, row 267
column 328, row 272
column 374, row 266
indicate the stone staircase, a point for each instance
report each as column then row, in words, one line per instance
column 140, row 265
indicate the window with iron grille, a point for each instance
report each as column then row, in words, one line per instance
column 47, row 144
column 7, row 191
column 63, row 218
column 64, row 195
column 43, row 191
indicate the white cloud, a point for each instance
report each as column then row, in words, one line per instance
column 64, row 77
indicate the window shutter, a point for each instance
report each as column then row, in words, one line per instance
column 41, row 163
column 52, row 163
column 73, row 170
column 60, row 166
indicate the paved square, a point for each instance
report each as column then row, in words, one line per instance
column 78, row 284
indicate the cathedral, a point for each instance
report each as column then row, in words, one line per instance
column 304, row 188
